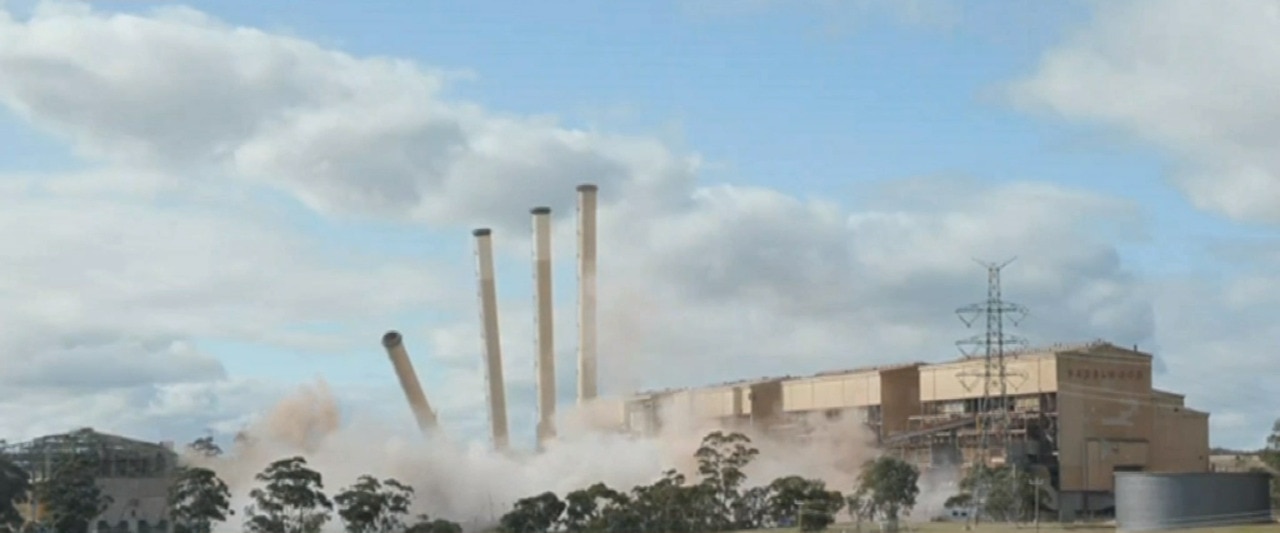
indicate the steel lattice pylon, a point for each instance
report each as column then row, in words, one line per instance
column 994, row 376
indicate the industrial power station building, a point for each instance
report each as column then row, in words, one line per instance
column 134, row 474
column 1076, row 414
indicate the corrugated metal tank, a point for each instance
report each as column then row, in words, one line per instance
column 1150, row 502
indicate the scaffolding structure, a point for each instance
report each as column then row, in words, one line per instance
column 113, row 456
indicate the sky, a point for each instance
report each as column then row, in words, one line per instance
column 206, row 205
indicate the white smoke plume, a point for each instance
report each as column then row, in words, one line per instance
column 936, row 486
column 471, row 484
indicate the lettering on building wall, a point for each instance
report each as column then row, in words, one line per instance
column 1104, row 373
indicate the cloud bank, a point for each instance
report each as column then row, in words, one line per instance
column 185, row 123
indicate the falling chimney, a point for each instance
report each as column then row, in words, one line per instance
column 546, row 360
column 422, row 412
column 492, row 346
column 588, row 387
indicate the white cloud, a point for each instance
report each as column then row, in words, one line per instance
column 717, row 281
column 368, row 136
column 177, row 411
column 89, row 264
column 1194, row 78
column 107, row 299
column 754, row 281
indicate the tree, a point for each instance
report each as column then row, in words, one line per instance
column 70, row 495
column 205, row 446
column 805, row 502
column 752, row 511
column 15, row 484
column 292, row 500
column 371, row 506
column 538, row 514
column 1271, row 457
column 425, row 524
column 1008, row 494
column 583, row 509
column 721, row 460
column 197, row 500
column 670, row 506
column 886, row 488
column 619, row 515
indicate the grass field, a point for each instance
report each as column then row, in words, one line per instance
column 958, row 527
column 936, row 527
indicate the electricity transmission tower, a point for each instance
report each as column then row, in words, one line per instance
column 994, row 376
column 991, row 346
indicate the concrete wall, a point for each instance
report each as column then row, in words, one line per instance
column 837, row 391
column 899, row 398
column 1181, row 439
column 640, row 414
column 715, row 402
column 766, row 401
column 138, row 505
column 1104, row 416
column 1027, row 374
column 1167, row 398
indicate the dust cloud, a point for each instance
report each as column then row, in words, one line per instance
column 936, row 486
column 472, row 484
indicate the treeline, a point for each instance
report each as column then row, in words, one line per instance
column 289, row 498
column 718, row 500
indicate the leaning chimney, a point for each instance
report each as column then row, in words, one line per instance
column 492, row 346
column 588, row 387
column 546, row 359
column 422, row 412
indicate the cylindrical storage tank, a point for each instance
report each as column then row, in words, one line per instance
column 1155, row 502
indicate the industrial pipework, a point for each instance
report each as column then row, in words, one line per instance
column 422, row 412
column 588, row 387
column 546, row 355
column 492, row 346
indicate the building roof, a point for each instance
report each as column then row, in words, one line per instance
column 767, row 379
column 117, row 456
column 1087, row 347
column 83, row 438
column 878, row 368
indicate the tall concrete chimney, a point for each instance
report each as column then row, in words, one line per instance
column 588, row 387
column 422, row 412
column 546, row 355
column 492, row 346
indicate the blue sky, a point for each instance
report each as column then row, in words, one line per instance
column 815, row 101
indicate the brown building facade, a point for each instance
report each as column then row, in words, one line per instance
column 1077, row 414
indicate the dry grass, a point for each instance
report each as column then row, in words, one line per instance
column 1049, row 527
column 936, row 527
